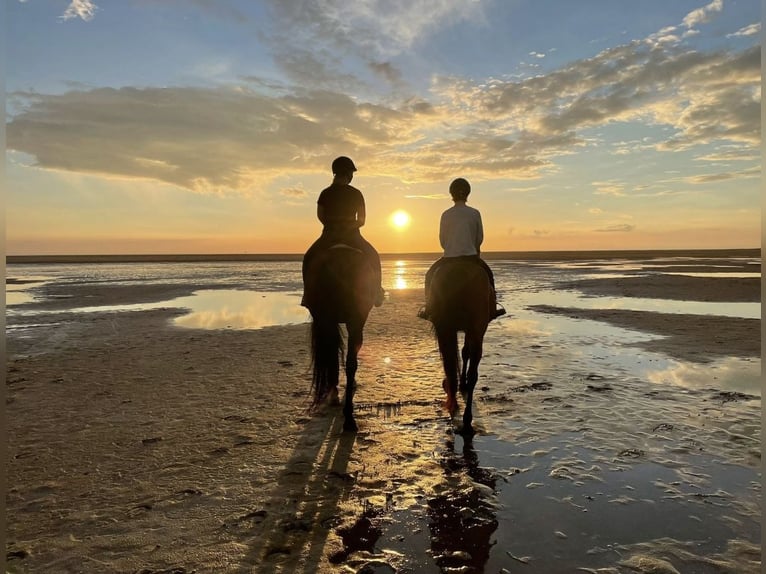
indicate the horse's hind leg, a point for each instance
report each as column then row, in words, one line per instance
column 355, row 340
column 447, row 340
column 472, row 376
column 465, row 353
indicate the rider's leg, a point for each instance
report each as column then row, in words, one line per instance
column 308, row 258
column 373, row 257
column 495, row 311
column 425, row 311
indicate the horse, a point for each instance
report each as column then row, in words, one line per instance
column 460, row 300
column 342, row 291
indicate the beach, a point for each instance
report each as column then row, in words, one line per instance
column 139, row 446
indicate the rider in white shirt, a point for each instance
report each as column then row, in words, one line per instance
column 460, row 234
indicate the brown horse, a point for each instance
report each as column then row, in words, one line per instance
column 461, row 300
column 341, row 290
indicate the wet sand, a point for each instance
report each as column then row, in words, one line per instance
column 137, row 446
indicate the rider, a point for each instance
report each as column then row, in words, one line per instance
column 460, row 235
column 341, row 210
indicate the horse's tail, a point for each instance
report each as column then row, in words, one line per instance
column 326, row 353
column 448, row 349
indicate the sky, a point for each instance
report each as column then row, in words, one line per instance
column 209, row 126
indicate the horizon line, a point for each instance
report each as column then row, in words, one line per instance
column 489, row 255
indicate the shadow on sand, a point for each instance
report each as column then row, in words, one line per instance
column 292, row 533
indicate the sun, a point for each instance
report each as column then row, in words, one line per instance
column 400, row 219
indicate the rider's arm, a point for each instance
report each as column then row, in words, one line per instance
column 361, row 212
column 479, row 236
column 321, row 213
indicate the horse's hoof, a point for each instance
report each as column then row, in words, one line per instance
column 450, row 405
column 349, row 425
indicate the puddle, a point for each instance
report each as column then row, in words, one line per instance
column 210, row 309
column 234, row 309
column 732, row 374
column 14, row 297
column 727, row 274
column 575, row 299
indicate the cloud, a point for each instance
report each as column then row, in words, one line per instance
column 751, row 30
column 386, row 70
column 355, row 37
column 618, row 228
column 202, row 139
column 440, row 196
column 609, row 188
column 294, row 192
column 722, row 176
column 240, row 137
column 704, row 97
column 84, row 9
column 385, row 27
column 703, row 15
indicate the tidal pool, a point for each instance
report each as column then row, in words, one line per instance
column 235, row 309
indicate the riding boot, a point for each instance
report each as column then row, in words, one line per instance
column 496, row 310
column 380, row 297
column 425, row 311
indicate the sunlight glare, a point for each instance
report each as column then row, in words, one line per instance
column 400, row 219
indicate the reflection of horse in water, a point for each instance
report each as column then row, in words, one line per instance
column 463, row 520
column 340, row 288
column 460, row 300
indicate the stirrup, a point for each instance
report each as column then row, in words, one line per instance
column 499, row 311
column 424, row 313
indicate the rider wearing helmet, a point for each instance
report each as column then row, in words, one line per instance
column 341, row 210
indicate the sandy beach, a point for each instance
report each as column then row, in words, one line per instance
column 137, row 446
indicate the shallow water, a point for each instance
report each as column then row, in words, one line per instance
column 268, row 293
column 665, row 462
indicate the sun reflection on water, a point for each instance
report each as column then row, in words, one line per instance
column 400, row 271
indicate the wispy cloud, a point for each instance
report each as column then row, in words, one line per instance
column 337, row 36
column 385, row 27
column 294, row 192
column 722, row 176
column 751, row 30
column 617, row 228
column 609, row 188
column 83, row 9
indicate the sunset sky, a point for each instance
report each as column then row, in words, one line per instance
column 209, row 126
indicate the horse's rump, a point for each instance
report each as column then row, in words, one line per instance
column 460, row 294
column 340, row 284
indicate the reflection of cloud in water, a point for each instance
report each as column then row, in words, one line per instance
column 730, row 374
column 228, row 309
column 524, row 327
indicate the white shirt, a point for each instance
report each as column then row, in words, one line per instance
column 461, row 231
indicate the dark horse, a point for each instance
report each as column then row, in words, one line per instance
column 461, row 300
column 342, row 291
